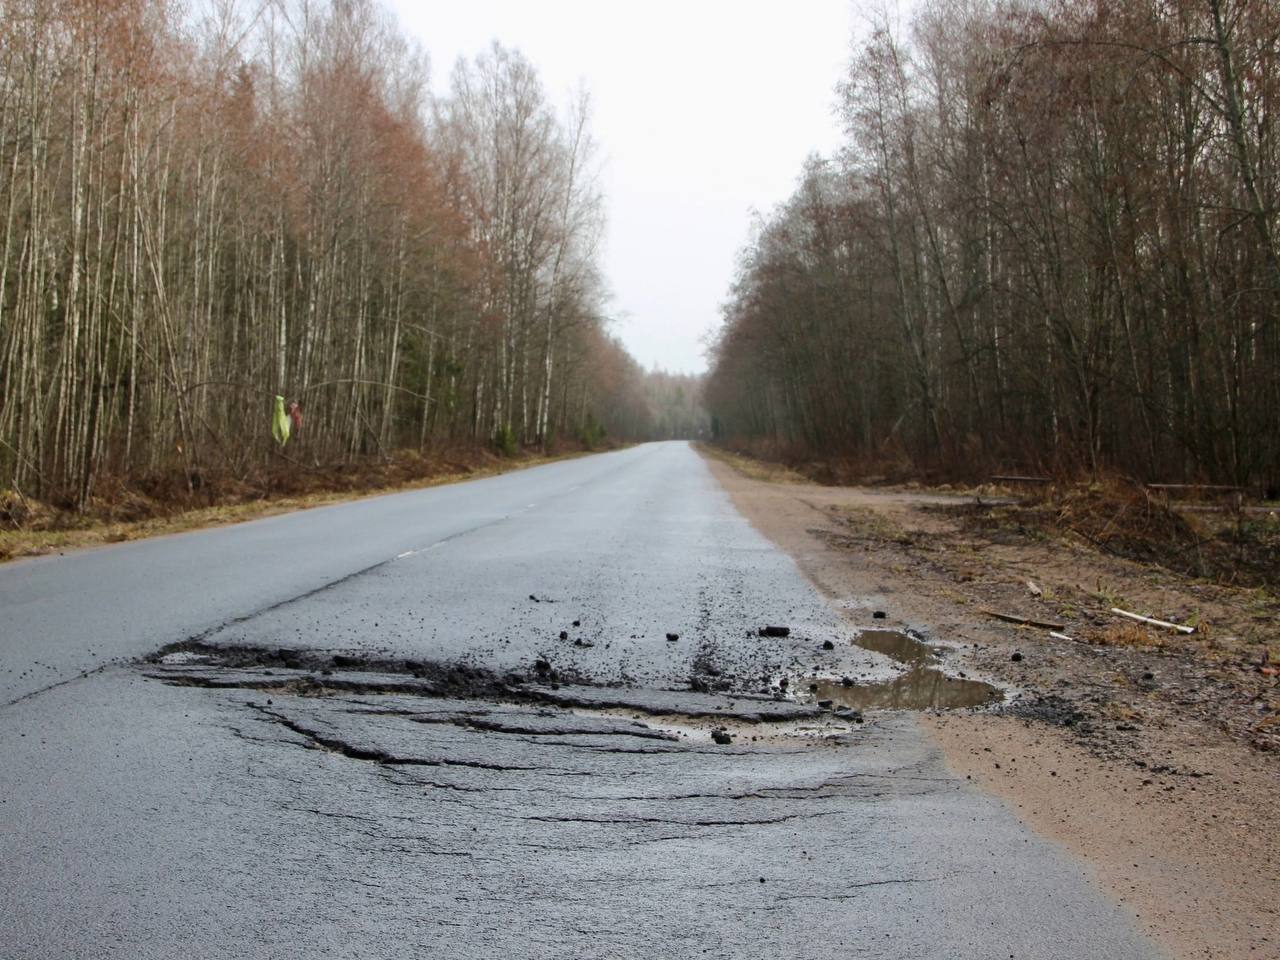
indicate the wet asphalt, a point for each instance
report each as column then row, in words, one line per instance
column 453, row 722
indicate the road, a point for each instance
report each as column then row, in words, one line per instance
column 477, row 721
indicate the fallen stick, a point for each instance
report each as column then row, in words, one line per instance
column 1153, row 621
column 1025, row 621
column 1059, row 636
column 1194, row 486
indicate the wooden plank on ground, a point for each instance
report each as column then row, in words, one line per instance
column 1025, row 621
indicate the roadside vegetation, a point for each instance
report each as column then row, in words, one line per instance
column 1047, row 245
column 204, row 209
column 1206, row 541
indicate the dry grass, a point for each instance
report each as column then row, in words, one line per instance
column 798, row 464
column 1126, row 635
column 874, row 524
column 1121, row 519
column 752, row 467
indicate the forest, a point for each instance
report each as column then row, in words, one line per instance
column 205, row 208
column 1048, row 242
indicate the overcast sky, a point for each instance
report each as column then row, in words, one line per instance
column 703, row 110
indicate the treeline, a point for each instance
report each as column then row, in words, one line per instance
column 200, row 213
column 654, row 404
column 1049, row 241
column 674, row 405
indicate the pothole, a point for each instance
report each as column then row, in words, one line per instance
column 923, row 686
column 312, row 673
column 830, row 709
column 827, row 726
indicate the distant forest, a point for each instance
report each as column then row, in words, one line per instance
column 202, row 212
column 1048, row 241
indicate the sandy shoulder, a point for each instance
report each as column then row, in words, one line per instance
column 1198, row 871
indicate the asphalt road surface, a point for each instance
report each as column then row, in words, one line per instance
column 488, row 720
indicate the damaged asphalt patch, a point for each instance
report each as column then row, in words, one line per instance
column 405, row 823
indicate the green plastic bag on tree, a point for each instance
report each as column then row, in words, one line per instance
column 280, row 423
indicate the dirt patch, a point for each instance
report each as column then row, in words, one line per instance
column 1135, row 735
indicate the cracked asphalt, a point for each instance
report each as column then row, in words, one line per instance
column 450, row 722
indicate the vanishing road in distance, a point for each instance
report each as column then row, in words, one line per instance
column 526, row 716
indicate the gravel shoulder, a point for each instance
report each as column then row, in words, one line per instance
column 1152, row 758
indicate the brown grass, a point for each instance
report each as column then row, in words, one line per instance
column 890, row 466
column 755, row 468
column 1122, row 519
column 1126, row 635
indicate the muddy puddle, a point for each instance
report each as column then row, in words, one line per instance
column 901, row 647
column 922, row 686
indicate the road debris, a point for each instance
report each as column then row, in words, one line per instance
column 1152, row 621
column 1025, row 621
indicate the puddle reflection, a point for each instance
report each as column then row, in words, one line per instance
column 897, row 646
column 921, row 687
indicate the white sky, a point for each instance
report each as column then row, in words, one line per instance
column 703, row 110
